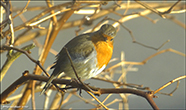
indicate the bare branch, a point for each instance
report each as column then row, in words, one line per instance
column 169, row 83
column 27, row 54
column 11, row 58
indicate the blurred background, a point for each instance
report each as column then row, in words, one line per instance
column 156, row 72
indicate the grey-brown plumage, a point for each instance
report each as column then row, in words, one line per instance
column 83, row 51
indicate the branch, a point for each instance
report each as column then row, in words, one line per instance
column 23, row 10
column 26, row 76
column 27, row 54
column 169, row 83
column 145, row 61
column 22, row 26
column 102, row 13
column 156, row 11
column 89, row 90
column 55, row 30
column 4, row 23
column 11, row 58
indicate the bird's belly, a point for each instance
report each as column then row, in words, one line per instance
column 84, row 70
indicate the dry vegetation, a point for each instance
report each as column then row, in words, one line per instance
column 56, row 16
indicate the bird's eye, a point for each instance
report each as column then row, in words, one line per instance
column 111, row 33
column 111, row 39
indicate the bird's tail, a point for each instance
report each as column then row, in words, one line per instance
column 48, row 84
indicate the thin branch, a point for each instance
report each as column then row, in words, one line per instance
column 23, row 10
column 148, row 18
column 147, row 95
column 82, row 82
column 156, row 11
column 178, row 82
column 171, row 93
column 56, row 28
column 33, row 96
column 27, row 54
column 4, row 23
column 22, row 26
column 98, row 15
column 73, row 67
column 114, row 101
column 97, row 100
column 133, row 38
column 122, row 83
column 171, row 8
column 11, row 58
column 169, row 83
column 145, row 61
column 85, row 100
column 172, row 18
column 127, row 7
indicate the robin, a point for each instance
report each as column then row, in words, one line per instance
column 90, row 54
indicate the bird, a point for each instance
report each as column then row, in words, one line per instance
column 90, row 53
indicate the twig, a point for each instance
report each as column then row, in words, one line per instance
column 169, row 83
column 178, row 82
column 12, row 58
column 170, row 9
column 12, row 30
column 72, row 65
column 54, row 14
column 55, row 101
column 22, row 26
column 145, row 61
column 23, row 10
column 147, row 95
column 172, row 18
column 122, row 83
column 156, row 11
column 46, row 18
column 171, row 93
column 80, row 21
column 163, row 44
column 62, row 99
column 26, row 76
column 114, row 101
column 148, row 18
column 97, row 100
column 27, row 54
column 148, row 7
column 124, row 80
column 53, row 34
column 33, row 96
column 127, row 7
column 3, row 24
column 85, row 100
column 54, row 19
column 133, row 38
column 108, row 96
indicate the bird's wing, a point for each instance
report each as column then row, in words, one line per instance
column 80, row 48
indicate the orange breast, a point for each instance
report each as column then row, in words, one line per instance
column 104, row 51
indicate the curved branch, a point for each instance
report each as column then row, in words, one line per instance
column 11, row 58
column 27, row 54
column 26, row 76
